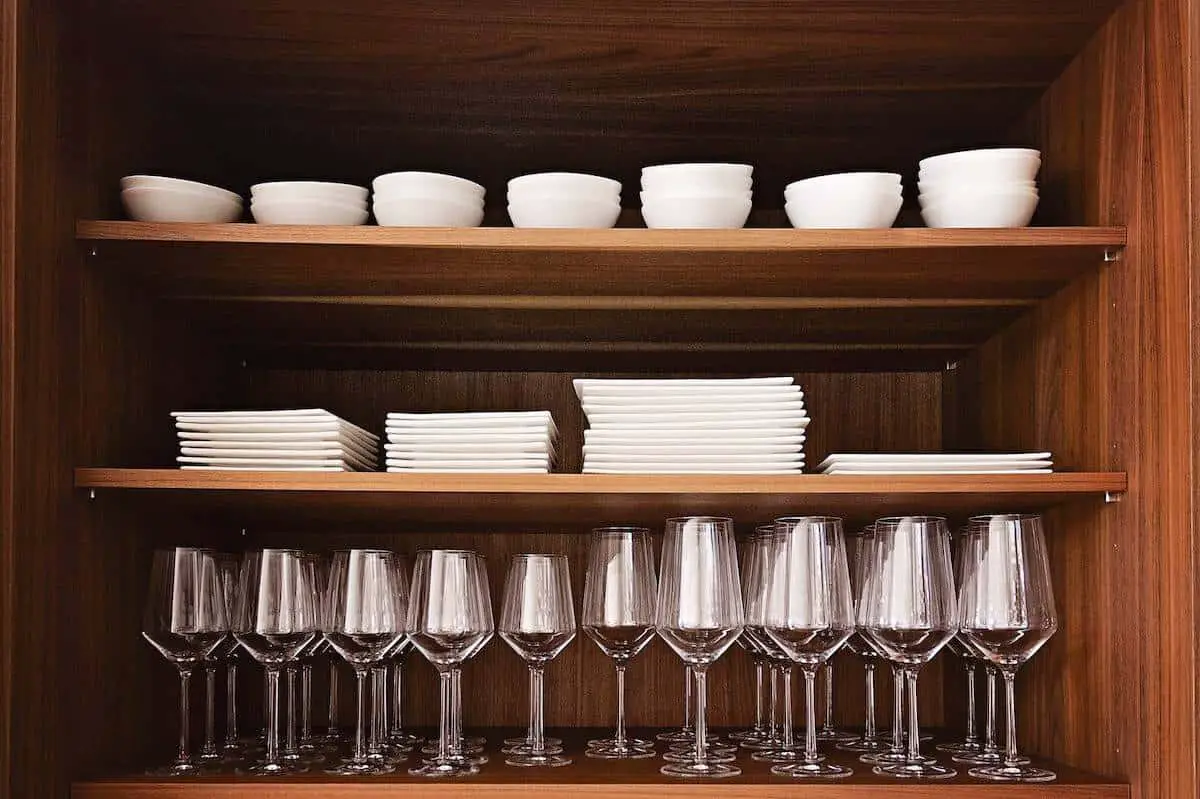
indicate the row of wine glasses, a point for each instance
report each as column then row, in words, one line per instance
column 795, row 600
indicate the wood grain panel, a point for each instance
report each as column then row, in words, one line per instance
column 1101, row 375
column 8, row 388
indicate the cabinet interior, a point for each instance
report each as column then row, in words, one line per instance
column 233, row 92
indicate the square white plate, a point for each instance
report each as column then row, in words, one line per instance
column 645, row 469
column 275, row 427
column 714, row 396
column 692, row 436
column 280, row 455
column 925, row 466
column 499, row 420
column 626, row 457
column 583, row 385
column 266, row 463
column 697, row 421
column 936, row 471
column 933, row 457
column 353, row 446
column 781, row 408
column 472, row 447
column 314, row 416
column 712, row 450
column 267, row 468
column 467, row 470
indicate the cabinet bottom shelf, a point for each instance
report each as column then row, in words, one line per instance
column 588, row 777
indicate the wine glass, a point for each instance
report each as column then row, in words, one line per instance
column 229, row 568
column 449, row 620
column 829, row 731
column 1007, row 613
column 537, row 619
column 961, row 648
column 365, row 617
column 185, row 620
column 398, row 735
column 699, row 615
column 809, row 615
column 759, row 732
column 278, row 615
column 871, row 741
column 908, row 610
column 618, row 615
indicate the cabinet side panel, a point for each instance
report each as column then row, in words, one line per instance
column 8, row 133
column 1101, row 375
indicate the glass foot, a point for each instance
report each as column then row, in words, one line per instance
column 467, row 746
column 180, row 768
column 782, row 755
column 358, row 768
column 696, row 770
column 771, row 742
column 866, row 745
column 993, row 757
column 960, row 748
column 835, row 735
column 919, row 771
column 524, row 748
column 276, row 769
column 890, row 758
column 749, row 735
column 633, row 743
column 611, row 750
column 527, row 741
column 677, row 736
column 711, row 756
column 405, row 739
column 1013, row 773
column 444, row 768
column 532, row 761
column 829, row 771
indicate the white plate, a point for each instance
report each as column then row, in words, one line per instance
column 937, row 471
column 736, row 436
column 498, row 420
column 582, row 385
column 222, row 419
column 274, row 414
column 713, row 450
column 464, row 462
column 541, row 440
column 923, row 466
column 691, row 407
column 332, row 434
column 934, row 457
column 537, row 447
column 355, row 446
column 464, row 470
column 698, row 421
column 267, row 469
column 645, row 469
column 265, row 463
column 658, row 457
column 275, row 427
column 668, row 395
column 280, row 455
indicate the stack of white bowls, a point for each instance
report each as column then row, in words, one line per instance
column 563, row 200
column 845, row 200
column 989, row 188
column 697, row 195
column 426, row 199
column 308, row 202
column 150, row 198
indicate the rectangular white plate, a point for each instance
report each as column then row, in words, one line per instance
column 698, row 422
column 537, row 443
column 495, row 419
column 782, row 460
column 319, row 412
column 331, row 434
column 667, row 395
column 354, row 446
column 711, row 450
column 692, row 436
column 267, row 468
column 938, row 471
column 934, row 457
column 275, row 427
column 539, row 447
column 582, row 385
column 266, row 417
column 474, row 463
column 264, row 463
column 280, row 455
column 643, row 469
column 426, row 469
column 724, row 408
column 951, row 467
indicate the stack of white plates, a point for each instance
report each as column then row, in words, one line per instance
column 706, row 426
column 506, row 441
column 937, row 463
column 308, row 440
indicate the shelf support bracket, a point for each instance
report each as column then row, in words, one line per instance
column 1112, row 254
column 92, row 494
column 1112, row 497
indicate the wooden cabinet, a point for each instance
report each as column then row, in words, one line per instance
column 1074, row 336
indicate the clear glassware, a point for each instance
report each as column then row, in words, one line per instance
column 398, row 735
column 871, row 741
column 908, row 609
column 620, row 590
column 449, row 620
column 278, row 615
column 774, row 736
column 809, row 615
column 365, row 617
column 961, row 648
column 829, row 731
column 686, row 734
column 537, row 620
column 759, row 732
column 1007, row 613
column 185, row 620
column 699, row 615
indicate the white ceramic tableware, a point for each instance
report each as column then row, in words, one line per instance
column 165, row 204
column 716, row 213
column 847, row 185
column 427, row 184
column 697, row 179
column 287, row 190
column 160, row 182
column 971, row 193
column 427, row 212
column 563, row 212
column 869, row 211
column 988, row 164
column 983, row 210
column 307, row 212
column 564, row 184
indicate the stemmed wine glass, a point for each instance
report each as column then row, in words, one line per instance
column 185, row 620
column 365, row 617
column 537, row 619
column 229, row 568
column 277, row 616
column 1007, row 613
column 397, row 656
column 759, row 733
column 961, row 648
column 908, row 609
column 808, row 615
column 449, row 620
column 828, row 731
column 699, row 615
column 618, row 615
column 871, row 741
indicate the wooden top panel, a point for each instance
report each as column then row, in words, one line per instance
column 591, row 499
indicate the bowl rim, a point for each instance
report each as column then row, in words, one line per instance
column 183, row 184
column 271, row 185
column 442, row 177
column 1008, row 153
column 137, row 191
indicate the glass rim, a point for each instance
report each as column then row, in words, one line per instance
column 288, row 550
column 617, row 529
column 431, row 550
column 531, row 555
column 1007, row 517
column 896, row 520
column 681, row 519
column 817, row 519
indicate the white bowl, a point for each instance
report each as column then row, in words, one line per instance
column 696, row 212
column 745, row 171
column 163, row 204
column 968, row 193
column 697, row 179
column 429, row 192
column 309, row 190
column 843, row 193
column 665, row 195
column 938, row 186
column 865, row 212
column 427, row 212
column 427, row 184
column 997, row 210
column 558, row 212
column 564, row 184
column 997, row 163
column 307, row 212
column 842, row 181
column 155, row 181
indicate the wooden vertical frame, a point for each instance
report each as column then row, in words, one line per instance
column 8, row 188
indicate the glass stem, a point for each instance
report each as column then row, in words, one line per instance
column 758, row 696
column 231, row 719
column 689, row 675
column 620, row 738
column 306, row 703
column 377, row 689
column 827, row 674
column 360, row 730
column 1010, row 718
column 774, row 702
column 897, row 709
column 869, row 731
column 397, row 698
column 789, row 737
column 291, row 711
column 456, row 719
column 272, row 715
column 333, row 699
column 810, row 714
column 701, row 673
column 185, row 712
column 989, row 744
column 444, row 683
column 210, row 708
column 537, row 708
column 914, row 730
column 972, row 739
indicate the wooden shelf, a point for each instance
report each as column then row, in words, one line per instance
column 631, row 779
column 576, row 498
column 619, row 299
